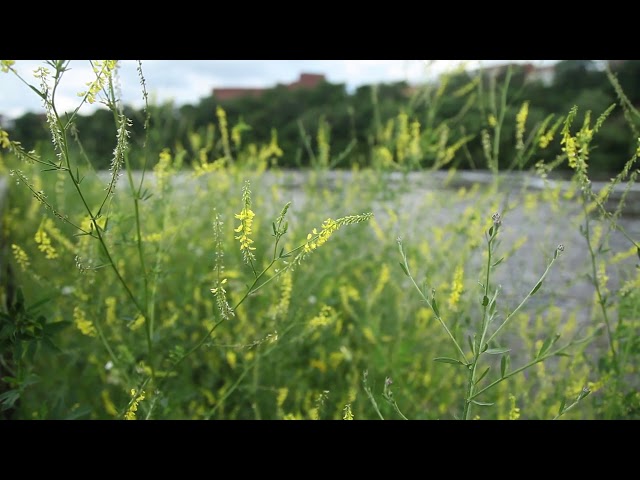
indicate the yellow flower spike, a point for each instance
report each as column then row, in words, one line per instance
column 83, row 324
column 316, row 239
column 44, row 243
column 133, row 407
column 245, row 228
column 219, row 290
column 21, row 257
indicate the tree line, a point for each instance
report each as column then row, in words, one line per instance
column 438, row 124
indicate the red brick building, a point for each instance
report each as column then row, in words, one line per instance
column 306, row 80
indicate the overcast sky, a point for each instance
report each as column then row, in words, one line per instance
column 188, row 81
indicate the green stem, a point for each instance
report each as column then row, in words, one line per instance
column 466, row 414
column 244, row 373
column 437, row 315
column 517, row 309
column 530, row 364
column 503, row 109
column 596, row 284
column 256, row 376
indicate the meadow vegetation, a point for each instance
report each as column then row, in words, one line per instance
column 206, row 281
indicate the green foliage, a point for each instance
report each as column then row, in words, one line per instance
column 455, row 110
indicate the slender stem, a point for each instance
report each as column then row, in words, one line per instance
column 466, row 414
column 530, row 364
column 437, row 315
column 373, row 402
column 255, row 383
column 596, row 284
column 511, row 315
column 503, row 109
column 246, row 370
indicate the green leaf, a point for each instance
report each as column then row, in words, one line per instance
column 275, row 232
column 38, row 92
column 563, row 354
column 434, row 305
column 46, row 341
column 404, row 269
column 485, row 301
column 498, row 262
column 492, row 307
column 490, row 231
column 562, row 404
column 536, row 288
column 483, row 375
column 638, row 251
column 504, row 365
column 497, row 351
column 452, row 361
column 471, row 345
column 482, row 404
column 10, row 380
column 545, row 346
column 9, row 398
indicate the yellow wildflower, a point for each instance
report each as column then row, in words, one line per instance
column 244, row 230
column 133, row 407
column 21, row 256
column 83, row 324
column 44, row 243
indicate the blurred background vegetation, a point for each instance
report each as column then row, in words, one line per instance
column 355, row 124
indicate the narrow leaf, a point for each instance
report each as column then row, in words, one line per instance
column 404, row 269
column 434, row 305
column 497, row 351
column 545, row 346
column 483, row 375
column 562, row 404
column 9, row 398
column 452, row 361
column 38, row 92
column 504, row 365
column 482, row 404
column 485, row 301
column 498, row 262
column 471, row 345
column 492, row 307
column 536, row 288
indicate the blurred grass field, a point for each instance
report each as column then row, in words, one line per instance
column 346, row 310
